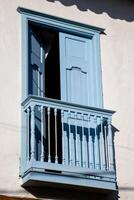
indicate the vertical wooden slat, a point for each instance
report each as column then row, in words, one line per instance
column 102, row 145
column 69, row 135
column 98, row 144
column 41, row 77
column 97, row 164
column 83, row 144
column 94, row 143
column 49, row 151
column 91, row 148
column 56, row 151
column 42, row 134
column 106, row 148
column 28, row 133
column 32, row 133
column 89, row 140
column 111, row 151
column 76, row 141
column 38, row 73
column 108, row 153
column 63, row 137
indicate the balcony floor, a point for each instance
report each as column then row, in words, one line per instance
column 38, row 176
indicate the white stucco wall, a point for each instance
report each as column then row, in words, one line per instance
column 117, row 71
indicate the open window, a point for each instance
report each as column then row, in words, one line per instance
column 61, row 66
column 44, row 68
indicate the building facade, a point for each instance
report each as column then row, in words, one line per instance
column 66, row 67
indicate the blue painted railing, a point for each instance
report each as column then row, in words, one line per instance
column 77, row 137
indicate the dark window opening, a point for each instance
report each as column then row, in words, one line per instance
column 49, row 41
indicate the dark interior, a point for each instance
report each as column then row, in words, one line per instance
column 50, row 41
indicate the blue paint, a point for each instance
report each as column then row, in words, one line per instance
column 81, row 95
column 97, row 177
column 79, row 76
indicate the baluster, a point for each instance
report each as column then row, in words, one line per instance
column 38, row 82
column 97, row 163
column 69, row 135
column 83, row 146
column 49, row 151
column 28, row 133
column 56, row 151
column 32, row 133
column 63, row 137
column 89, row 141
column 98, row 143
column 106, row 148
column 42, row 134
column 94, row 143
column 102, row 147
column 76, row 141
column 91, row 144
column 41, row 77
column 111, row 152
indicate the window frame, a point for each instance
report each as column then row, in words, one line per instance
column 61, row 25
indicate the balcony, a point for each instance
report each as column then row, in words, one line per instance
column 67, row 144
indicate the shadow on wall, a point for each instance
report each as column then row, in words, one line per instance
column 116, row 9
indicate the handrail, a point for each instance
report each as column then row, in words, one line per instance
column 62, row 104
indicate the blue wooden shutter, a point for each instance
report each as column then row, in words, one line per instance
column 37, row 58
column 37, row 65
column 78, row 70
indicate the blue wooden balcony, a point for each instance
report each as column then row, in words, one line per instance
column 67, row 144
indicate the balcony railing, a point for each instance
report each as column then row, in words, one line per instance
column 67, row 138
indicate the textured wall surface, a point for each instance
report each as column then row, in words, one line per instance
column 117, row 17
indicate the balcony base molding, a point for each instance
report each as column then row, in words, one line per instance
column 38, row 178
